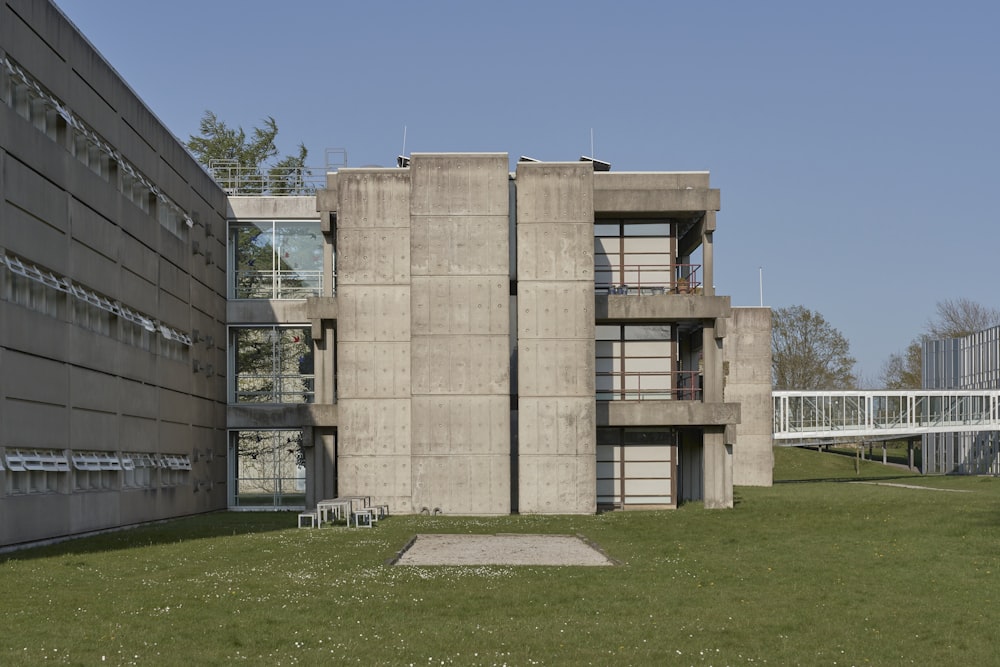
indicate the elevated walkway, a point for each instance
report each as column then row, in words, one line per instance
column 821, row 417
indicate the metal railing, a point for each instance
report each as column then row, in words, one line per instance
column 237, row 179
column 649, row 386
column 801, row 415
column 648, row 279
column 270, row 388
column 277, row 284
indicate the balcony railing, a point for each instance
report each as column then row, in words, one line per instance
column 290, row 284
column 649, row 386
column 648, row 279
column 269, row 388
column 237, row 179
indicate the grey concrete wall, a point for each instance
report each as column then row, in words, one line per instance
column 748, row 382
column 555, row 338
column 373, row 335
column 460, row 323
column 64, row 386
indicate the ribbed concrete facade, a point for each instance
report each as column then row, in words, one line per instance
column 112, row 302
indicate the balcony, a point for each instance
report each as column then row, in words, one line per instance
column 648, row 386
column 648, row 279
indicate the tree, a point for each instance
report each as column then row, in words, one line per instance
column 957, row 318
column 904, row 370
column 807, row 353
column 243, row 165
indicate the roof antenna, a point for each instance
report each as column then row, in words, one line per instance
column 592, row 153
column 404, row 140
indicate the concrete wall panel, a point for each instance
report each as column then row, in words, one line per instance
column 460, row 425
column 558, row 251
column 460, row 365
column 373, row 370
column 554, row 193
column 557, row 484
column 470, row 305
column 554, row 367
column 368, row 256
column 92, row 429
column 373, row 313
column 562, row 426
column 462, row 485
column 386, row 478
column 373, row 198
column 31, row 424
column 460, row 245
column 374, row 427
column 36, row 379
column 137, row 434
column 555, row 310
column 459, row 184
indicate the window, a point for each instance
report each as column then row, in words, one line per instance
column 35, row 470
column 95, row 471
column 276, row 260
column 267, row 469
column 175, row 469
column 635, row 362
column 272, row 365
column 137, row 470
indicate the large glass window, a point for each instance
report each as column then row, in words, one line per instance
column 272, row 365
column 267, row 469
column 276, row 259
column 635, row 362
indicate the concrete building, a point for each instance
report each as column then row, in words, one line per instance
column 449, row 335
column 971, row 362
column 112, row 297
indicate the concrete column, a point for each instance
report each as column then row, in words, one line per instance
column 712, row 363
column 708, row 263
column 460, row 326
column 555, row 332
column 747, row 355
column 718, row 470
column 373, row 335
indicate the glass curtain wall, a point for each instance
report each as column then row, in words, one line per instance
column 267, row 469
column 275, row 259
column 272, row 365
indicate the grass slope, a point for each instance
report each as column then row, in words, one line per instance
column 805, row 572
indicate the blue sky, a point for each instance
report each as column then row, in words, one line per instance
column 855, row 143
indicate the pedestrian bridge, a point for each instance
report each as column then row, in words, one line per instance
column 821, row 417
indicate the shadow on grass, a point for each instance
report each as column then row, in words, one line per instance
column 169, row 531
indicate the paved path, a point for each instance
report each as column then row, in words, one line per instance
column 914, row 486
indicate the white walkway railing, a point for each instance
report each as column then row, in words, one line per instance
column 827, row 416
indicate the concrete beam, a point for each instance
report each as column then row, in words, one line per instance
column 272, row 208
column 655, row 308
column 281, row 416
column 666, row 413
column 658, row 201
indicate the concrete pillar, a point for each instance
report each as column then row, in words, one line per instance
column 373, row 335
column 557, row 446
column 708, row 262
column 747, row 355
column 460, row 326
column 718, row 471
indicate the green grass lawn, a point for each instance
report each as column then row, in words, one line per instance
column 809, row 571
